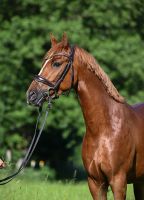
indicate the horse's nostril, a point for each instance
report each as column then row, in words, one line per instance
column 32, row 96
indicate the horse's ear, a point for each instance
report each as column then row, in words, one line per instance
column 53, row 40
column 65, row 40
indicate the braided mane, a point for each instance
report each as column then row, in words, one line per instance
column 93, row 66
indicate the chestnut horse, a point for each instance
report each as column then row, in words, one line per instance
column 113, row 146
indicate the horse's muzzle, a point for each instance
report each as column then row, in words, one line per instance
column 35, row 98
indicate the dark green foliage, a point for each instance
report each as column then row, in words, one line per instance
column 113, row 31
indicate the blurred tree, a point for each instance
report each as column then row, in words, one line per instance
column 113, row 31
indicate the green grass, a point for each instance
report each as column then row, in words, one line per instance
column 34, row 185
column 43, row 190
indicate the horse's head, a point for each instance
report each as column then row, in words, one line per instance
column 56, row 75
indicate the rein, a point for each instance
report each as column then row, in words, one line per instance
column 51, row 86
column 32, row 145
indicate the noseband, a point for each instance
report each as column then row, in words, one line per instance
column 55, row 86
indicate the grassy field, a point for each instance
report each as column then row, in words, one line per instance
column 42, row 190
column 34, row 185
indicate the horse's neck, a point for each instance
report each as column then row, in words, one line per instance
column 94, row 100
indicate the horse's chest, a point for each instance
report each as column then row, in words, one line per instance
column 104, row 156
column 93, row 155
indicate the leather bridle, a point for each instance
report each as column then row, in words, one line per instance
column 55, row 86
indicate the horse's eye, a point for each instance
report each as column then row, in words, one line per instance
column 56, row 64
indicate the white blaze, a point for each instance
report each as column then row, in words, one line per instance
column 43, row 66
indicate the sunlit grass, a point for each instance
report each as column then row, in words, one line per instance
column 36, row 185
column 43, row 190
